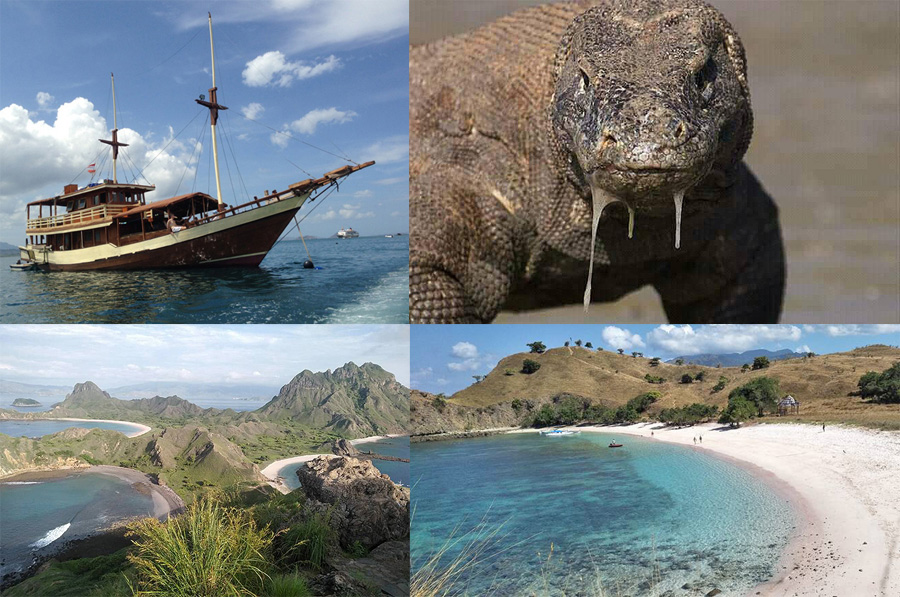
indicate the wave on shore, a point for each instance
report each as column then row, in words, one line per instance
column 51, row 536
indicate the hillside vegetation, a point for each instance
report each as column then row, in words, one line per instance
column 826, row 386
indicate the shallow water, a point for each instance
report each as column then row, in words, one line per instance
column 363, row 280
column 33, row 515
column 392, row 446
column 648, row 514
column 825, row 86
column 45, row 427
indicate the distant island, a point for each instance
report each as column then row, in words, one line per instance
column 25, row 402
column 7, row 249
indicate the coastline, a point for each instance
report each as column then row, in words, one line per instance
column 142, row 429
column 842, row 483
column 270, row 472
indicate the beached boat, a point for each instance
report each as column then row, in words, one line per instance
column 347, row 233
column 559, row 432
column 109, row 225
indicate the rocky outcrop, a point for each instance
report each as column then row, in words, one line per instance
column 432, row 415
column 343, row 447
column 365, row 505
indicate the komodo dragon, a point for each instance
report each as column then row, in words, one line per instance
column 523, row 130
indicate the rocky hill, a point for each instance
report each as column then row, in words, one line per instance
column 736, row 359
column 824, row 385
column 352, row 400
column 88, row 400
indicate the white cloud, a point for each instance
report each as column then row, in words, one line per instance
column 253, row 110
column 272, row 68
column 687, row 340
column 387, row 181
column 304, row 24
column 34, row 152
column 464, row 350
column 44, row 99
column 386, row 151
column 804, row 348
column 861, row 330
column 308, row 123
column 619, row 338
column 362, row 193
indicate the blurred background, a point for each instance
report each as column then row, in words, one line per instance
column 825, row 87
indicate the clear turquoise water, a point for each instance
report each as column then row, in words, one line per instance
column 87, row 501
column 363, row 280
column 392, row 446
column 42, row 427
column 616, row 518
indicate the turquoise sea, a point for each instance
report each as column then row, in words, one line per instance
column 362, row 280
column 391, row 446
column 38, row 516
column 40, row 427
column 570, row 516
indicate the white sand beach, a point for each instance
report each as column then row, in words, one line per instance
column 844, row 483
column 141, row 429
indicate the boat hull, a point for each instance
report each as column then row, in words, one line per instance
column 241, row 240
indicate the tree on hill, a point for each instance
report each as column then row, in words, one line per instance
column 529, row 366
column 720, row 385
column 620, row 350
column 478, row 378
column 745, row 367
column 762, row 392
column 566, row 344
column 654, row 379
column 881, row 387
column 738, row 410
column 701, row 375
column 588, row 345
column 578, row 343
column 537, row 347
column 760, row 363
column 679, row 361
column 686, row 378
column 654, row 362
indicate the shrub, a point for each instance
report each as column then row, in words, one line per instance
column 762, row 392
column 654, row 379
column 287, row 585
column 620, row 350
column 588, row 345
column 517, row 405
column 566, row 343
column 306, row 542
column 881, row 387
column 544, row 417
column 720, row 385
column 679, row 361
column 578, row 343
column 738, row 410
column 686, row 378
column 529, row 366
column 654, row 362
column 509, row 372
column 640, row 403
column 439, row 403
column 537, row 347
column 210, row 550
column 701, row 375
column 745, row 367
column 760, row 363
column 357, row 550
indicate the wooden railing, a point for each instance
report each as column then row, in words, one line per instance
column 82, row 216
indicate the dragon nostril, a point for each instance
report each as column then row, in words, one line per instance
column 607, row 141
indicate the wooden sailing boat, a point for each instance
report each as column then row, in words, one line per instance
column 110, row 225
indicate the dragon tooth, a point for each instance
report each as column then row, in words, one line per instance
column 600, row 199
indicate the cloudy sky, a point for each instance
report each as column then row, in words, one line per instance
column 332, row 74
column 444, row 358
column 117, row 355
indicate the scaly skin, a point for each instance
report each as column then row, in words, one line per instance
column 518, row 126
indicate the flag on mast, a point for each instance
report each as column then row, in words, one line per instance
column 92, row 168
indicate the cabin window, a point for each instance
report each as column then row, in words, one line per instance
column 81, row 203
column 69, row 205
column 96, row 199
column 96, row 237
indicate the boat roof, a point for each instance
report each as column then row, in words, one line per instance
column 199, row 200
column 90, row 190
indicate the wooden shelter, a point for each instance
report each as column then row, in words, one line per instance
column 788, row 405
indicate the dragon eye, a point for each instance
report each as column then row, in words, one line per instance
column 585, row 79
column 705, row 77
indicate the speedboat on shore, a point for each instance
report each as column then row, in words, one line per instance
column 559, row 432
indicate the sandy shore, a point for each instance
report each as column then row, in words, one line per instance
column 373, row 438
column 141, row 429
column 845, row 483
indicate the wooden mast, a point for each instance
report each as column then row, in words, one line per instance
column 115, row 139
column 214, row 108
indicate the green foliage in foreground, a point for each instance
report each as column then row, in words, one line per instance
column 306, row 542
column 210, row 550
column 87, row 577
column 688, row 415
column 286, row 585
column 881, row 387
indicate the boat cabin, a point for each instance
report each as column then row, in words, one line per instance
column 107, row 213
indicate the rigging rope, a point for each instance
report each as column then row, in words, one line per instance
column 286, row 134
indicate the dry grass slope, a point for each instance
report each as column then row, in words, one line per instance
column 822, row 384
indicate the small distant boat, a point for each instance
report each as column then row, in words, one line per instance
column 347, row 233
column 23, row 266
column 558, row 432
column 615, row 445
column 388, row 236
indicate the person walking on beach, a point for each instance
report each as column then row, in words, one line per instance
column 823, row 426
column 701, row 439
column 695, row 440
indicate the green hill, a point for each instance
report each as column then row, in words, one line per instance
column 352, row 400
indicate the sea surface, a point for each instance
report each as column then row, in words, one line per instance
column 362, row 280
column 391, row 446
column 568, row 515
column 37, row 517
column 41, row 427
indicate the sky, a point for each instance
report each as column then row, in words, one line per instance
column 445, row 357
column 332, row 74
column 118, row 355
